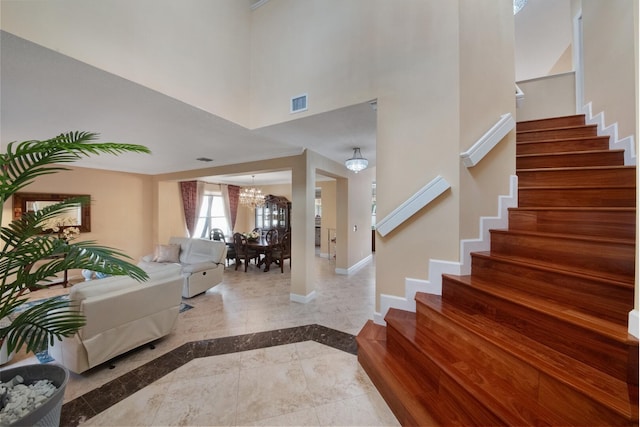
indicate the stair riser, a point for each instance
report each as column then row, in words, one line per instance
column 563, row 145
column 614, row 257
column 552, row 122
column 616, row 224
column 612, row 302
column 560, row 133
column 577, row 197
column 474, row 413
column 573, row 406
column 595, row 350
column 522, row 378
column 607, row 158
column 377, row 376
column 576, row 177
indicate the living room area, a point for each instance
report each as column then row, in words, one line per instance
column 241, row 353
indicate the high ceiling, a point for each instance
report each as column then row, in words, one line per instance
column 44, row 93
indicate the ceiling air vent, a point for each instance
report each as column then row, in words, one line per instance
column 299, row 103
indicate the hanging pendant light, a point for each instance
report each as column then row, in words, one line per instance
column 252, row 197
column 357, row 162
column 518, row 5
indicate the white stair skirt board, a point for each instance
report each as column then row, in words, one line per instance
column 627, row 144
column 302, row 298
column 437, row 267
column 634, row 319
column 355, row 267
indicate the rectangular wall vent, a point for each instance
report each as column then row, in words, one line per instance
column 299, row 103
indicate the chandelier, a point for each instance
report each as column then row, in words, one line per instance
column 252, row 197
column 357, row 162
column 517, row 5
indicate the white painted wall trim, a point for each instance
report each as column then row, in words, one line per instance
column 303, row 299
column 519, row 97
column 355, row 267
column 413, row 204
column 488, row 141
column 627, row 143
column 437, row 267
column 634, row 320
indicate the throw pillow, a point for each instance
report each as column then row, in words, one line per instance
column 167, row 253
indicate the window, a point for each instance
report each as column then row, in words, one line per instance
column 212, row 216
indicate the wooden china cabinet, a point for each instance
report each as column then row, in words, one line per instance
column 275, row 213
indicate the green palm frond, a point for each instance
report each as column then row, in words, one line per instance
column 41, row 324
column 22, row 242
column 25, row 161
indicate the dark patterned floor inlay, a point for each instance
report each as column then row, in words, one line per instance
column 90, row 404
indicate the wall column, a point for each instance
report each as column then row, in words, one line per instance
column 302, row 230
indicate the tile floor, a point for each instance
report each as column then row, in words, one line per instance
column 243, row 355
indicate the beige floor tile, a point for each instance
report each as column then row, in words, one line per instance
column 270, row 391
column 335, row 377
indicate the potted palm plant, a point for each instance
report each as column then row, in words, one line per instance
column 23, row 243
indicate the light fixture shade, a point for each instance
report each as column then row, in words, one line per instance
column 517, row 5
column 251, row 197
column 357, row 162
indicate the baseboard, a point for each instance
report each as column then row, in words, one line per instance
column 303, row 299
column 439, row 267
column 355, row 267
column 627, row 143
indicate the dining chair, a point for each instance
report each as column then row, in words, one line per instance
column 282, row 251
column 242, row 250
column 271, row 238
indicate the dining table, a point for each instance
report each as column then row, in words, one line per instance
column 263, row 247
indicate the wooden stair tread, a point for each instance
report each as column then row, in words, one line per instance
column 574, row 208
column 567, row 236
column 567, row 153
column 576, row 139
column 551, row 308
column 577, row 168
column 520, row 132
column 400, row 387
column 599, row 386
column 492, row 391
column 611, row 279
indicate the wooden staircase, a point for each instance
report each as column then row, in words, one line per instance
column 537, row 334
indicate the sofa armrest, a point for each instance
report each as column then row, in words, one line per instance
column 147, row 258
column 197, row 267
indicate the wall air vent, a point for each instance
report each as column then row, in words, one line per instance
column 204, row 159
column 299, row 103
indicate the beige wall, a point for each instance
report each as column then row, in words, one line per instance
column 120, row 206
column 329, row 219
column 549, row 96
column 609, row 80
column 155, row 43
column 486, row 93
column 320, row 47
column 430, row 108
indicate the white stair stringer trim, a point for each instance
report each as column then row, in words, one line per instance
column 438, row 267
column 627, row 144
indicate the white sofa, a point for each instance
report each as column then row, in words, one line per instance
column 121, row 314
column 202, row 262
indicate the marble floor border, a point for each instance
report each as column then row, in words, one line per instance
column 95, row 401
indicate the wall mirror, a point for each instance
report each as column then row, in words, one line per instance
column 31, row 202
